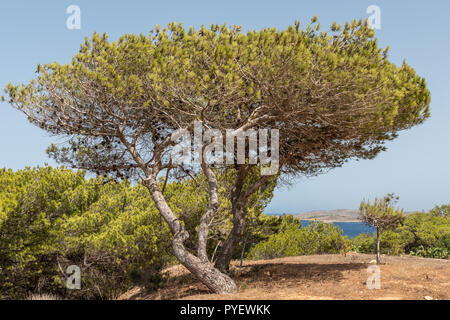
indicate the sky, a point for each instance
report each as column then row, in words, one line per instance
column 415, row 165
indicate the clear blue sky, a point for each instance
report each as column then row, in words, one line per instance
column 416, row 165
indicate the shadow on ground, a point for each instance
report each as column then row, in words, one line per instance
column 257, row 275
column 296, row 271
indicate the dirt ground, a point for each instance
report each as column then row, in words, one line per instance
column 317, row 277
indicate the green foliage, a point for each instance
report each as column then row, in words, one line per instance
column 427, row 230
column 188, row 199
column 364, row 243
column 435, row 252
column 54, row 217
column 420, row 234
column 121, row 233
column 443, row 210
column 390, row 243
column 294, row 240
column 340, row 96
column 34, row 202
column 259, row 228
column 381, row 214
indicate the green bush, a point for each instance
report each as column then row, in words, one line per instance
column 436, row 252
column 364, row 243
column 121, row 234
column 295, row 240
column 33, row 203
column 421, row 234
column 441, row 211
column 53, row 218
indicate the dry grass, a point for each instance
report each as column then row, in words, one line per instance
column 316, row 277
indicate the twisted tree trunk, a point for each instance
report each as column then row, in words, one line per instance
column 215, row 280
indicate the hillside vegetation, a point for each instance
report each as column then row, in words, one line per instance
column 51, row 218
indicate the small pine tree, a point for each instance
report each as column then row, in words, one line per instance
column 382, row 215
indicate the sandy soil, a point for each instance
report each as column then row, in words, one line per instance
column 316, row 277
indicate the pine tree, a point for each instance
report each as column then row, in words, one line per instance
column 382, row 216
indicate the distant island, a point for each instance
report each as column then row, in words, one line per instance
column 337, row 215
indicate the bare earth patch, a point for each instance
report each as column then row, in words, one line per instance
column 317, row 277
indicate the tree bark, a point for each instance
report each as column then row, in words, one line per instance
column 226, row 252
column 378, row 246
column 215, row 280
column 238, row 209
column 215, row 250
column 239, row 201
column 243, row 249
column 206, row 219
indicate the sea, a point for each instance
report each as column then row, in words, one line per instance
column 350, row 229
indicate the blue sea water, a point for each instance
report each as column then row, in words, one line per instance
column 351, row 229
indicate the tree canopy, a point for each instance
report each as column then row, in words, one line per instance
column 382, row 215
column 335, row 94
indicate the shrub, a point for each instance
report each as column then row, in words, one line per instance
column 421, row 234
column 436, row 252
column 53, row 218
column 295, row 240
column 364, row 243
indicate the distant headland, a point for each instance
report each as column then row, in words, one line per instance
column 337, row 215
